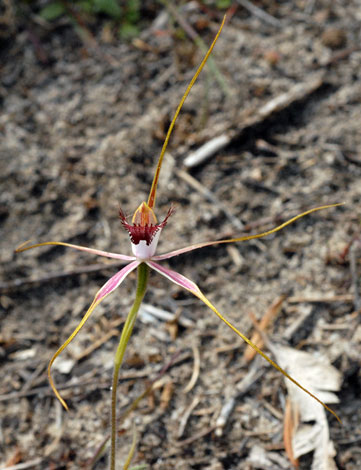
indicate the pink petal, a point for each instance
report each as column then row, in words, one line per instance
column 116, row 280
column 194, row 289
column 196, row 246
column 175, row 277
column 25, row 246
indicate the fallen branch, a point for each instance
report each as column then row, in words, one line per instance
column 28, row 281
column 320, row 298
column 252, row 118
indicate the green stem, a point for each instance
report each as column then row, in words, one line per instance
column 143, row 273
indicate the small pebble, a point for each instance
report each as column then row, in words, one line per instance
column 334, row 38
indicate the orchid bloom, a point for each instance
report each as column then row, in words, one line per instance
column 144, row 232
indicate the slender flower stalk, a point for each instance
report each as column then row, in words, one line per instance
column 143, row 274
column 144, row 232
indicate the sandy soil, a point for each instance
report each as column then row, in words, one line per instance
column 81, row 128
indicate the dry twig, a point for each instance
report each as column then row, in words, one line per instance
column 196, row 369
column 186, row 415
column 195, row 437
column 290, row 423
column 259, row 13
column 242, row 387
column 268, row 317
column 28, row 281
column 320, row 298
column 195, row 184
column 24, row 465
column 253, row 117
column 355, row 247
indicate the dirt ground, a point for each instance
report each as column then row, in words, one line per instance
column 81, row 127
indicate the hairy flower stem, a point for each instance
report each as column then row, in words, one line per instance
column 143, row 273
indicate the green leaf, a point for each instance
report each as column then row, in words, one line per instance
column 109, row 7
column 133, row 11
column 86, row 6
column 128, row 31
column 222, row 4
column 52, row 11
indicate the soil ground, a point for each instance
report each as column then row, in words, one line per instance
column 81, row 128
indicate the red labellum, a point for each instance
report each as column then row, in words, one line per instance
column 144, row 224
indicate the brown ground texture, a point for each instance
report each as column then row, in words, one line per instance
column 81, row 128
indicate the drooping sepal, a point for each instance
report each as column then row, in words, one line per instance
column 102, row 293
column 190, row 286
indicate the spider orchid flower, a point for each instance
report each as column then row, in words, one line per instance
column 144, row 232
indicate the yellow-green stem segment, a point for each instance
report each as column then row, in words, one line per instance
column 143, row 274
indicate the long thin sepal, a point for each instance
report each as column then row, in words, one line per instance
column 25, row 246
column 189, row 285
column 196, row 246
column 153, row 190
column 108, row 287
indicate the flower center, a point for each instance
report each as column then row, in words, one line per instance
column 144, row 231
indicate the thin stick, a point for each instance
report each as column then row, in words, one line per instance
column 99, row 342
column 28, row 281
column 194, row 438
column 186, row 415
column 242, row 388
column 262, row 15
column 195, row 184
column 320, row 298
column 196, row 370
column 250, row 118
column 24, row 465
column 353, row 268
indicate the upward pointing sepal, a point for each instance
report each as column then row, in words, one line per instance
column 144, row 215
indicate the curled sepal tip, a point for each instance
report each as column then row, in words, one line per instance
column 197, row 246
column 107, row 289
column 64, row 345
